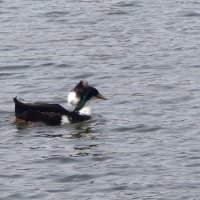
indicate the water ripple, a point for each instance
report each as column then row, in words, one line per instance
column 143, row 143
column 75, row 178
column 56, row 14
column 192, row 14
column 139, row 128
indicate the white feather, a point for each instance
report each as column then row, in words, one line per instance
column 72, row 99
column 85, row 111
column 64, row 120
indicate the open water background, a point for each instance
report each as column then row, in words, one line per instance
column 144, row 142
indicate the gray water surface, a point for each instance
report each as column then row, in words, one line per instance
column 143, row 143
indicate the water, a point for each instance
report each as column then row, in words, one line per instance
column 143, row 143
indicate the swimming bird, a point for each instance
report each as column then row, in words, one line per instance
column 54, row 114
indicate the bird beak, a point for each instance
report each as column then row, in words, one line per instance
column 100, row 96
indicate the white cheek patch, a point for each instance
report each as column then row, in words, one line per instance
column 64, row 120
column 72, row 99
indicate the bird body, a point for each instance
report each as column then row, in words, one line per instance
column 55, row 114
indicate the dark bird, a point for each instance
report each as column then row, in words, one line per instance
column 55, row 114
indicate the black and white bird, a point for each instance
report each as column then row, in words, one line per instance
column 54, row 114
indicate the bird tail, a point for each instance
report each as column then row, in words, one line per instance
column 19, row 107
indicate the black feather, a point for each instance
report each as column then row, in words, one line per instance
column 48, row 113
